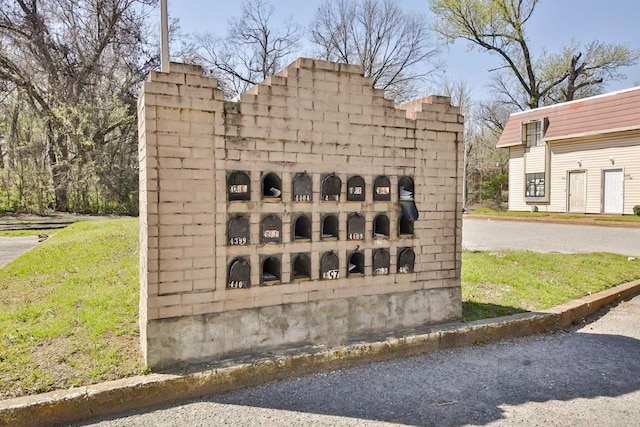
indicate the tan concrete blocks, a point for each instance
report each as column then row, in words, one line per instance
column 314, row 117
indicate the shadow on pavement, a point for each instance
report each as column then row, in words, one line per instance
column 462, row 386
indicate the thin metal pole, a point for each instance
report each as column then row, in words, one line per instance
column 164, row 37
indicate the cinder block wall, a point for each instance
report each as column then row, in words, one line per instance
column 317, row 118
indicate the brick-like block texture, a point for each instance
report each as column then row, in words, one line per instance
column 314, row 117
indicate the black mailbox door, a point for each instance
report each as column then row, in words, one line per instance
column 238, row 231
column 302, row 188
column 355, row 227
column 271, row 229
column 238, row 186
column 355, row 189
column 331, row 186
column 329, row 266
column 382, row 189
column 381, row 262
column 239, row 274
column 406, row 260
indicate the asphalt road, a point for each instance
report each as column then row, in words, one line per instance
column 588, row 376
column 487, row 234
column 13, row 247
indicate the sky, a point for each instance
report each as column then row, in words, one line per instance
column 554, row 23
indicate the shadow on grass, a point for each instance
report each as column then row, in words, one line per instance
column 472, row 310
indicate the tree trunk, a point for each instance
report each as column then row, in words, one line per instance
column 59, row 167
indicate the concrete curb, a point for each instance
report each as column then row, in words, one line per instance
column 115, row 397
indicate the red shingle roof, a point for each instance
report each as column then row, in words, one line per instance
column 601, row 113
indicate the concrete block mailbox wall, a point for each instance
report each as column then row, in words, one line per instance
column 285, row 219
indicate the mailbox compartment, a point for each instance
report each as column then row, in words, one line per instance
column 406, row 260
column 405, row 227
column 271, row 229
column 355, row 189
column 271, row 187
column 238, row 186
column 381, row 262
column 331, row 187
column 238, row 233
column 300, row 266
column 355, row 227
column 382, row 189
column 301, row 227
column 381, row 227
column 302, row 188
column 270, row 270
column 330, row 227
column 329, row 266
column 239, row 275
column 405, row 188
column 355, row 266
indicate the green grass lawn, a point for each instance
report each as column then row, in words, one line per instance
column 69, row 307
column 507, row 282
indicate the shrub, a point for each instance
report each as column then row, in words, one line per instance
column 636, row 210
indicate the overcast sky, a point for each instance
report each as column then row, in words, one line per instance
column 555, row 22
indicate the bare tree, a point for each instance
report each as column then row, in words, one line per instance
column 460, row 94
column 499, row 27
column 391, row 45
column 77, row 64
column 587, row 68
column 252, row 49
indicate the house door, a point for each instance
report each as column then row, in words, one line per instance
column 577, row 192
column 612, row 191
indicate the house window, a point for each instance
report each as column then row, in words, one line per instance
column 535, row 185
column 533, row 133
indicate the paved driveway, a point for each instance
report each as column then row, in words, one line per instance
column 587, row 376
column 13, row 247
column 489, row 234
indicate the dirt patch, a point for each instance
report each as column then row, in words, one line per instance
column 66, row 362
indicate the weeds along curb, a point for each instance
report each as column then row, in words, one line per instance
column 119, row 396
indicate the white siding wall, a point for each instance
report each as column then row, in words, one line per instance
column 535, row 159
column 516, row 179
column 594, row 156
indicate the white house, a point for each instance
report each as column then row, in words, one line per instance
column 578, row 156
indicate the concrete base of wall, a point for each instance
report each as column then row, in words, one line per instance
column 193, row 339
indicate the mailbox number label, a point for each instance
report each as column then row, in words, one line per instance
column 331, row 274
column 238, row 188
column 238, row 241
column 303, row 198
column 236, row 284
column 382, row 270
column 356, row 236
column 271, row 234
